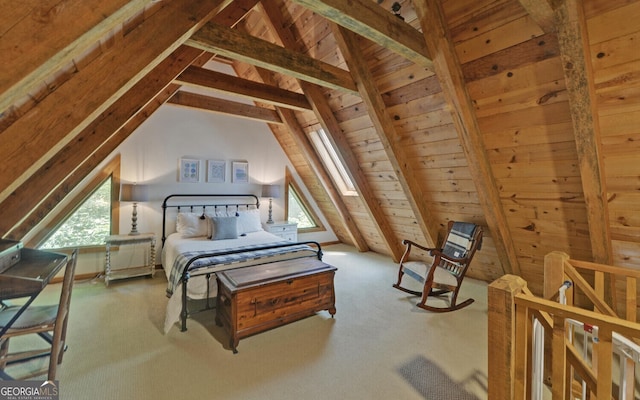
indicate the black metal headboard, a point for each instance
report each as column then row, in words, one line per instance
column 189, row 202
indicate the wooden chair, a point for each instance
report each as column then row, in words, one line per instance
column 48, row 321
column 446, row 272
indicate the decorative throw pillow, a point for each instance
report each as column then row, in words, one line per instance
column 222, row 212
column 224, row 228
column 249, row 221
column 191, row 225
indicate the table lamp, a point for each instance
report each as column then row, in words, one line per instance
column 272, row 192
column 131, row 192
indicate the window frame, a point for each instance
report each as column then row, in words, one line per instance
column 110, row 170
column 332, row 163
column 289, row 181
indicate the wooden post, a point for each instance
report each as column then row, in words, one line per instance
column 553, row 278
column 559, row 373
column 553, row 273
column 501, row 319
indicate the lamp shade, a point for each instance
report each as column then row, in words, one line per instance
column 134, row 193
column 272, row 191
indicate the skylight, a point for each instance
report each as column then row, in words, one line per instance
column 332, row 163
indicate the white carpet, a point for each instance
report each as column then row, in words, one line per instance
column 378, row 346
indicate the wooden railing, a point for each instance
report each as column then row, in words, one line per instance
column 513, row 311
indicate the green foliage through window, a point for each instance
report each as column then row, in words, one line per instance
column 88, row 225
column 297, row 212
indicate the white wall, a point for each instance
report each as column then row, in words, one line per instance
column 151, row 156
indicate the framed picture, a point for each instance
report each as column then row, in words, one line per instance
column 240, row 172
column 189, row 170
column 216, row 170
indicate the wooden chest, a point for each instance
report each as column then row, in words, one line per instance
column 258, row 298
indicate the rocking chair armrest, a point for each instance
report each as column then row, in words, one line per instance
column 412, row 243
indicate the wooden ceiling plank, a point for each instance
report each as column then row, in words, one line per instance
column 58, row 118
column 331, row 126
column 52, row 35
column 41, row 193
column 227, row 107
column 51, row 180
column 106, row 148
column 386, row 130
column 376, row 24
column 112, row 168
column 274, row 18
column 541, row 12
column 449, row 72
column 246, row 48
column 574, row 41
column 306, row 148
column 225, row 83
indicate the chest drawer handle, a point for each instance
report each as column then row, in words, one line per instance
column 289, row 281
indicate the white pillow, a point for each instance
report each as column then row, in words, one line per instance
column 191, row 225
column 249, row 221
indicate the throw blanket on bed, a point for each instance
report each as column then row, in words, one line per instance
column 219, row 258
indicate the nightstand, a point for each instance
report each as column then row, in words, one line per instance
column 284, row 229
column 149, row 267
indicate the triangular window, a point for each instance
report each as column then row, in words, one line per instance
column 88, row 225
column 297, row 208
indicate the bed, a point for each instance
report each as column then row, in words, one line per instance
column 207, row 233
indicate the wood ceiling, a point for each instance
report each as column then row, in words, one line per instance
column 488, row 111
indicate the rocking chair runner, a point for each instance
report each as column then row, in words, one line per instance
column 449, row 266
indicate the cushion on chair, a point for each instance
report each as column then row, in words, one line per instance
column 444, row 277
column 416, row 269
column 459, row 239
column 32, row 317
column 419, row 270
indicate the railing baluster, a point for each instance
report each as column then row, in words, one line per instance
column 560, row 365
column 631, row 299
column 603, row 368
column 521, row 346
column 599, row 284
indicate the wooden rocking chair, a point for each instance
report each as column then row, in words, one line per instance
column 446, row 272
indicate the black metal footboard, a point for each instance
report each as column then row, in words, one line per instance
column 186, row 274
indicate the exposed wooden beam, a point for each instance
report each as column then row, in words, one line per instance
column 246, row 48
column 541, row 12
column 332, row 128
column 572, row 36
column 107, row 148
column 366, row 194
column 42, row 39
column 274, row 18
column 59, row 175
column 44, row 190
column 111, row 169
column 386, row 130
column 49, row 126
column 207, row 103
column 306, row 148
column 447, row 67
column 225, row 83
column 376, row 24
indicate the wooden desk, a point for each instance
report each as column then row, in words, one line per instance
column 255, row 299
column 28, row 277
